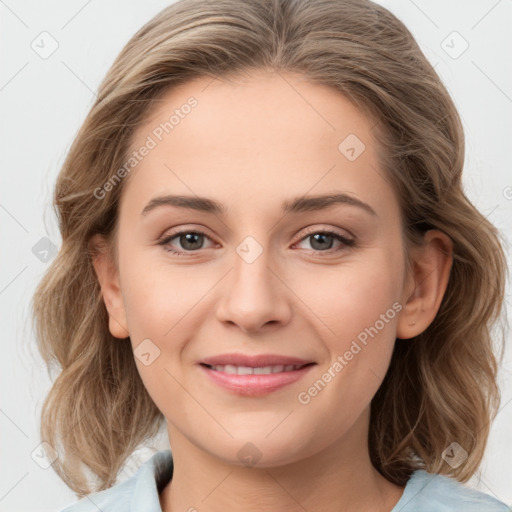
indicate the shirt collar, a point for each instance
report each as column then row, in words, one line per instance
column 152, row 477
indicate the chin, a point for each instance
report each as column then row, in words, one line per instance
column 258, row 451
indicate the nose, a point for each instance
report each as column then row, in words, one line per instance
column 254, row 295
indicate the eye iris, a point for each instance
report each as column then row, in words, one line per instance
column 322, row 237
column 188, row 238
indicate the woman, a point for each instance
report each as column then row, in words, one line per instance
column 324, row 342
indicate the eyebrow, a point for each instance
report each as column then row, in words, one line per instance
column 296, row 205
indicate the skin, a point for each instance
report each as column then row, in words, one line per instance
column 252, row 144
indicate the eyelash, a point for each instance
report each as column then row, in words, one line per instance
column 347, row 242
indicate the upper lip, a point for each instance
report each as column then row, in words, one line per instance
column 253, row 361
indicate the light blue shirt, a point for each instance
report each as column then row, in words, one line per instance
column 424, row 492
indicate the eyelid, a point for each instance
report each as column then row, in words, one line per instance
column 327, row 229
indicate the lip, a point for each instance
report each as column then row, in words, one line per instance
column 254, row 384
column 237, row 359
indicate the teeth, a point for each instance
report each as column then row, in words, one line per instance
column 260, row 370
column 263, row 370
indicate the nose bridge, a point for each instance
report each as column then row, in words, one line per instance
column 251, row 267
column 253, row 295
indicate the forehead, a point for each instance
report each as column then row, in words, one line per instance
column 267, row 135
column 263, row 109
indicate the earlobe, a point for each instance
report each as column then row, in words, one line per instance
column 426, row 285
column 108, row 278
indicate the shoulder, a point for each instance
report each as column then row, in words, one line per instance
column 426, row 492
column 139, row 492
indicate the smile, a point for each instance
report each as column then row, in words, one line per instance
column 259, row 370
column 254, row 375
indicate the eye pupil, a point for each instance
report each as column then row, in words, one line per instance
column 322, row 238
column 189, row 239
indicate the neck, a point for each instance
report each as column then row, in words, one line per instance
column 340, row 478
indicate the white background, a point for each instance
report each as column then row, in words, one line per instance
column 44, row 101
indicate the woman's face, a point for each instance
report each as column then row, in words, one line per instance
column 222, row 328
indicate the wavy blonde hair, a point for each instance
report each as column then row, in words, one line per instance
column 440, row 387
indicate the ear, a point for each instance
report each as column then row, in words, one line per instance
column 108, row 277
column 426, row 284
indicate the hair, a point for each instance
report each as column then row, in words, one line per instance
column 441, row 386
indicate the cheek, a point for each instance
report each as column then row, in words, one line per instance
column 158, row 296
column 159, row 303
column 361, row 308
column 362, row 319
column 351, row 297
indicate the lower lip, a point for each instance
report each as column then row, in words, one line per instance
column 255, row 385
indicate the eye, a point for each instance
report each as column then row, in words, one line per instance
column 322, row 241
column 190, row 240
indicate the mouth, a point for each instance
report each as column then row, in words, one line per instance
column 254, row 375
column 255, row 370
